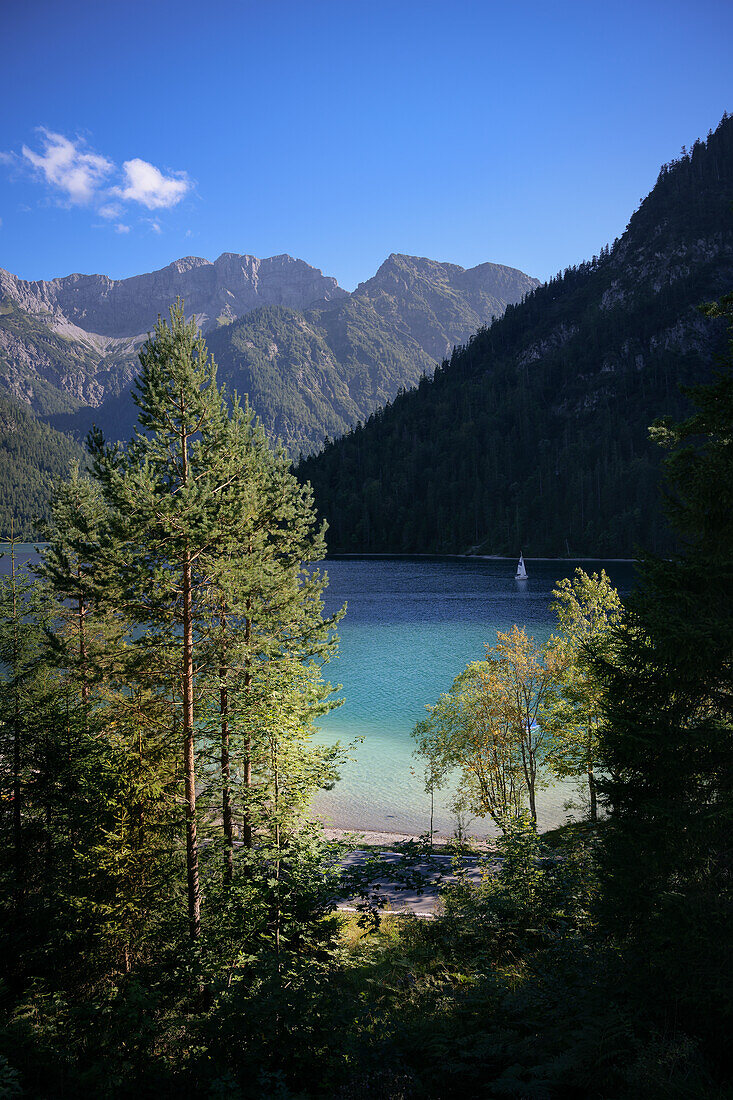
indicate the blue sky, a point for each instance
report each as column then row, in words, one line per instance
column 521, row 133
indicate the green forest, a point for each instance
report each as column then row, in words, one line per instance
column 534, row 435
column 168, row 912
column 33, row 457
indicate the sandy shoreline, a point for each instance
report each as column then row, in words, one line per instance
column 373, row 838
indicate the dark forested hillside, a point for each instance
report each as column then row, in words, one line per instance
column 534, row 434
column 32, row 457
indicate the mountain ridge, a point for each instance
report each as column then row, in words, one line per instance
column 75, row 339
column 310, row 368
column 124, row 308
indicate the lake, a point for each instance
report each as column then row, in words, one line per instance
column 412, row 625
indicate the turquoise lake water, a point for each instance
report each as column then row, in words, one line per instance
column 412, row 625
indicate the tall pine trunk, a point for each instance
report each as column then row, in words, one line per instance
column 592, row 793
column 189, row 764
column 247, row 825
column 17, row 821
column 83, row 658
column 226, row 791
column 189, row 760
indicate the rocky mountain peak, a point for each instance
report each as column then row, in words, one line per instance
column 126, row 308
column 186, row 263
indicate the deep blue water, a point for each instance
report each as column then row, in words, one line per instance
column 24, row 551
column 412, row 625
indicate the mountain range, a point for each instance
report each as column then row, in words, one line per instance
column 313, row 358
column 534, row 435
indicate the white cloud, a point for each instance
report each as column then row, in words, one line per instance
column 81, row 177
column 68, row 166
column 146, row 184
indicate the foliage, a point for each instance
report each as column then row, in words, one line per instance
column 177, row 599
column 667, row 740
column 587, row 609
column 487, row 726
column 590, row 962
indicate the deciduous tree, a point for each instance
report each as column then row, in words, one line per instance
column 587, row 608
column 487, row 727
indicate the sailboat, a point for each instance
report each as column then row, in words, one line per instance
column 521, row 573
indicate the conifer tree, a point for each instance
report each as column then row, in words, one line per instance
column 206, row 547
column 163, row 492
column 267, row 625
column 24, row 611
column 667, row 742
column 69, row 565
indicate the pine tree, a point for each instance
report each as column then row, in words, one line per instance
column 162, row 492
column 667, row 742
column 207, row 547
column 69, row 567
column 267, row 628
column 24, row 612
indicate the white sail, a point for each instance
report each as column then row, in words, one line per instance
column 521, row 574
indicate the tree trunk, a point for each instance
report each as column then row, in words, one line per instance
column 278, row 912
column 226, row 793
column 532, row 803
column 592, row 793
column 529, row 777
column 189, row 759
column 83, row 659
column 247, row 825
column 17, row 821
column 432, row 809
column 189, row 764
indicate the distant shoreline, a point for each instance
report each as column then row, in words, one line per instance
column 5, row 547
column 472, row 557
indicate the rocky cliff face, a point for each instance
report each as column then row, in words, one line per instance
column 123, row 308
column 442, row 304
column 314, row 372
column 70, row 342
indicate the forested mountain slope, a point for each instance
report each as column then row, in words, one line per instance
column 32, row 457
column 313, row 358
column 534, row 434
column 312, row 373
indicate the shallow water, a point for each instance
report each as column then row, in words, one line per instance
column 412, row 625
